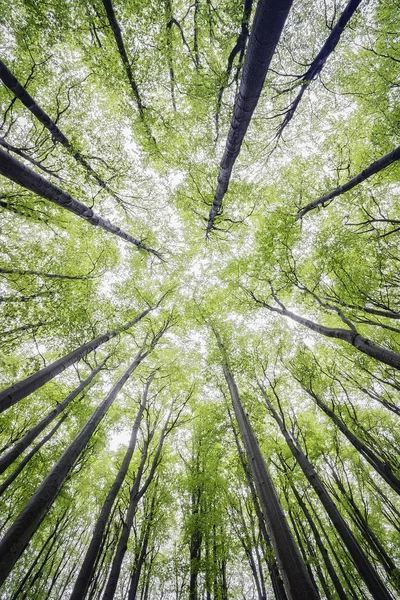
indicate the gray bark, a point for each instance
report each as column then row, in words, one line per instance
column 26, row 524
column 292, row 568
column 375, row 167
column 23, row 388
column 367, row 572
column 32, row 434
column 267, row 27
column 16, row 171
column 87, row 570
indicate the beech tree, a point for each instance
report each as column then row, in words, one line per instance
column 212, row 419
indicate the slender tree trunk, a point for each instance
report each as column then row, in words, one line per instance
column 375, row 167
column 42, row 274
column 27, row 458
column 23, row 388
column 21, row 93
column 135, row 497
column 16, row 171
column 144, row 542
column 321, row 58
column 381, row 467
column 276, row 580
column 32, row 434
column 329, row 566
column 267, row 27
column 293, row 571
column 87, row 570
column 350, row 336
column 25, row 525
column 364, row 567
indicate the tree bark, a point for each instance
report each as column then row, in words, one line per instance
column 351, row 336
column 32, row 434
column 25, row 525
column 375, row 167
column 382, row 468
column 366, row 570
column 87, row 569
column 30, row 454
column 21, row 93
column 293, row 571
column 317, row 64
column 267, row 27
column 23, row 388
column 16, row 171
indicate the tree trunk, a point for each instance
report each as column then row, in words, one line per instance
column 16, row 171
column 329, row 566
column 293, row 571
column 364, row 567
column 135, row 497
column 276, row 580
column 350, row 336
column 30, row 454
column 57, row 136
column 373, row 168
column 317, row 64
column 267, row 27
column 25, row 525
column 23, row 388
column 41, row 274
column 32, row 434
column 382, row 468
column 86, row 572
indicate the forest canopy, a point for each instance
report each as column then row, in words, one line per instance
column 199, row 293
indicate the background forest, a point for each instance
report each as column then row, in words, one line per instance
column 199, row 382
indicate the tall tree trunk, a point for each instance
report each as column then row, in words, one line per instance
column 32, row 433
column 329, row 566
column 267, row 27
column 21, row 93
column 276, row 580
column 42, row 274
column 383, row 468
column 317, row 64
column 30, row 454
column 135, row 497
column 16, row 171
column 23, row 388
column 364, row 567
column 87, row 570
column 293, row 571
column 350, row 336
column 375, row 167
column 25, row 525
column 144, row 542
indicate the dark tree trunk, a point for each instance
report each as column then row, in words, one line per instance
column 364, row 567
column 25, row 525
column 32, row 434
column 267, row 27
column 87, row 570
column 16, row 171
column 141, row 557
column 350, row 336
column 41, row 274
column 30, row 454
column 321, row 58
column 135, row 497
column 329, row 566
column 23, row 388
column 276, row 580
column 384, row 469
column 21, row 93
column 375, row 167
column 293, row 571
